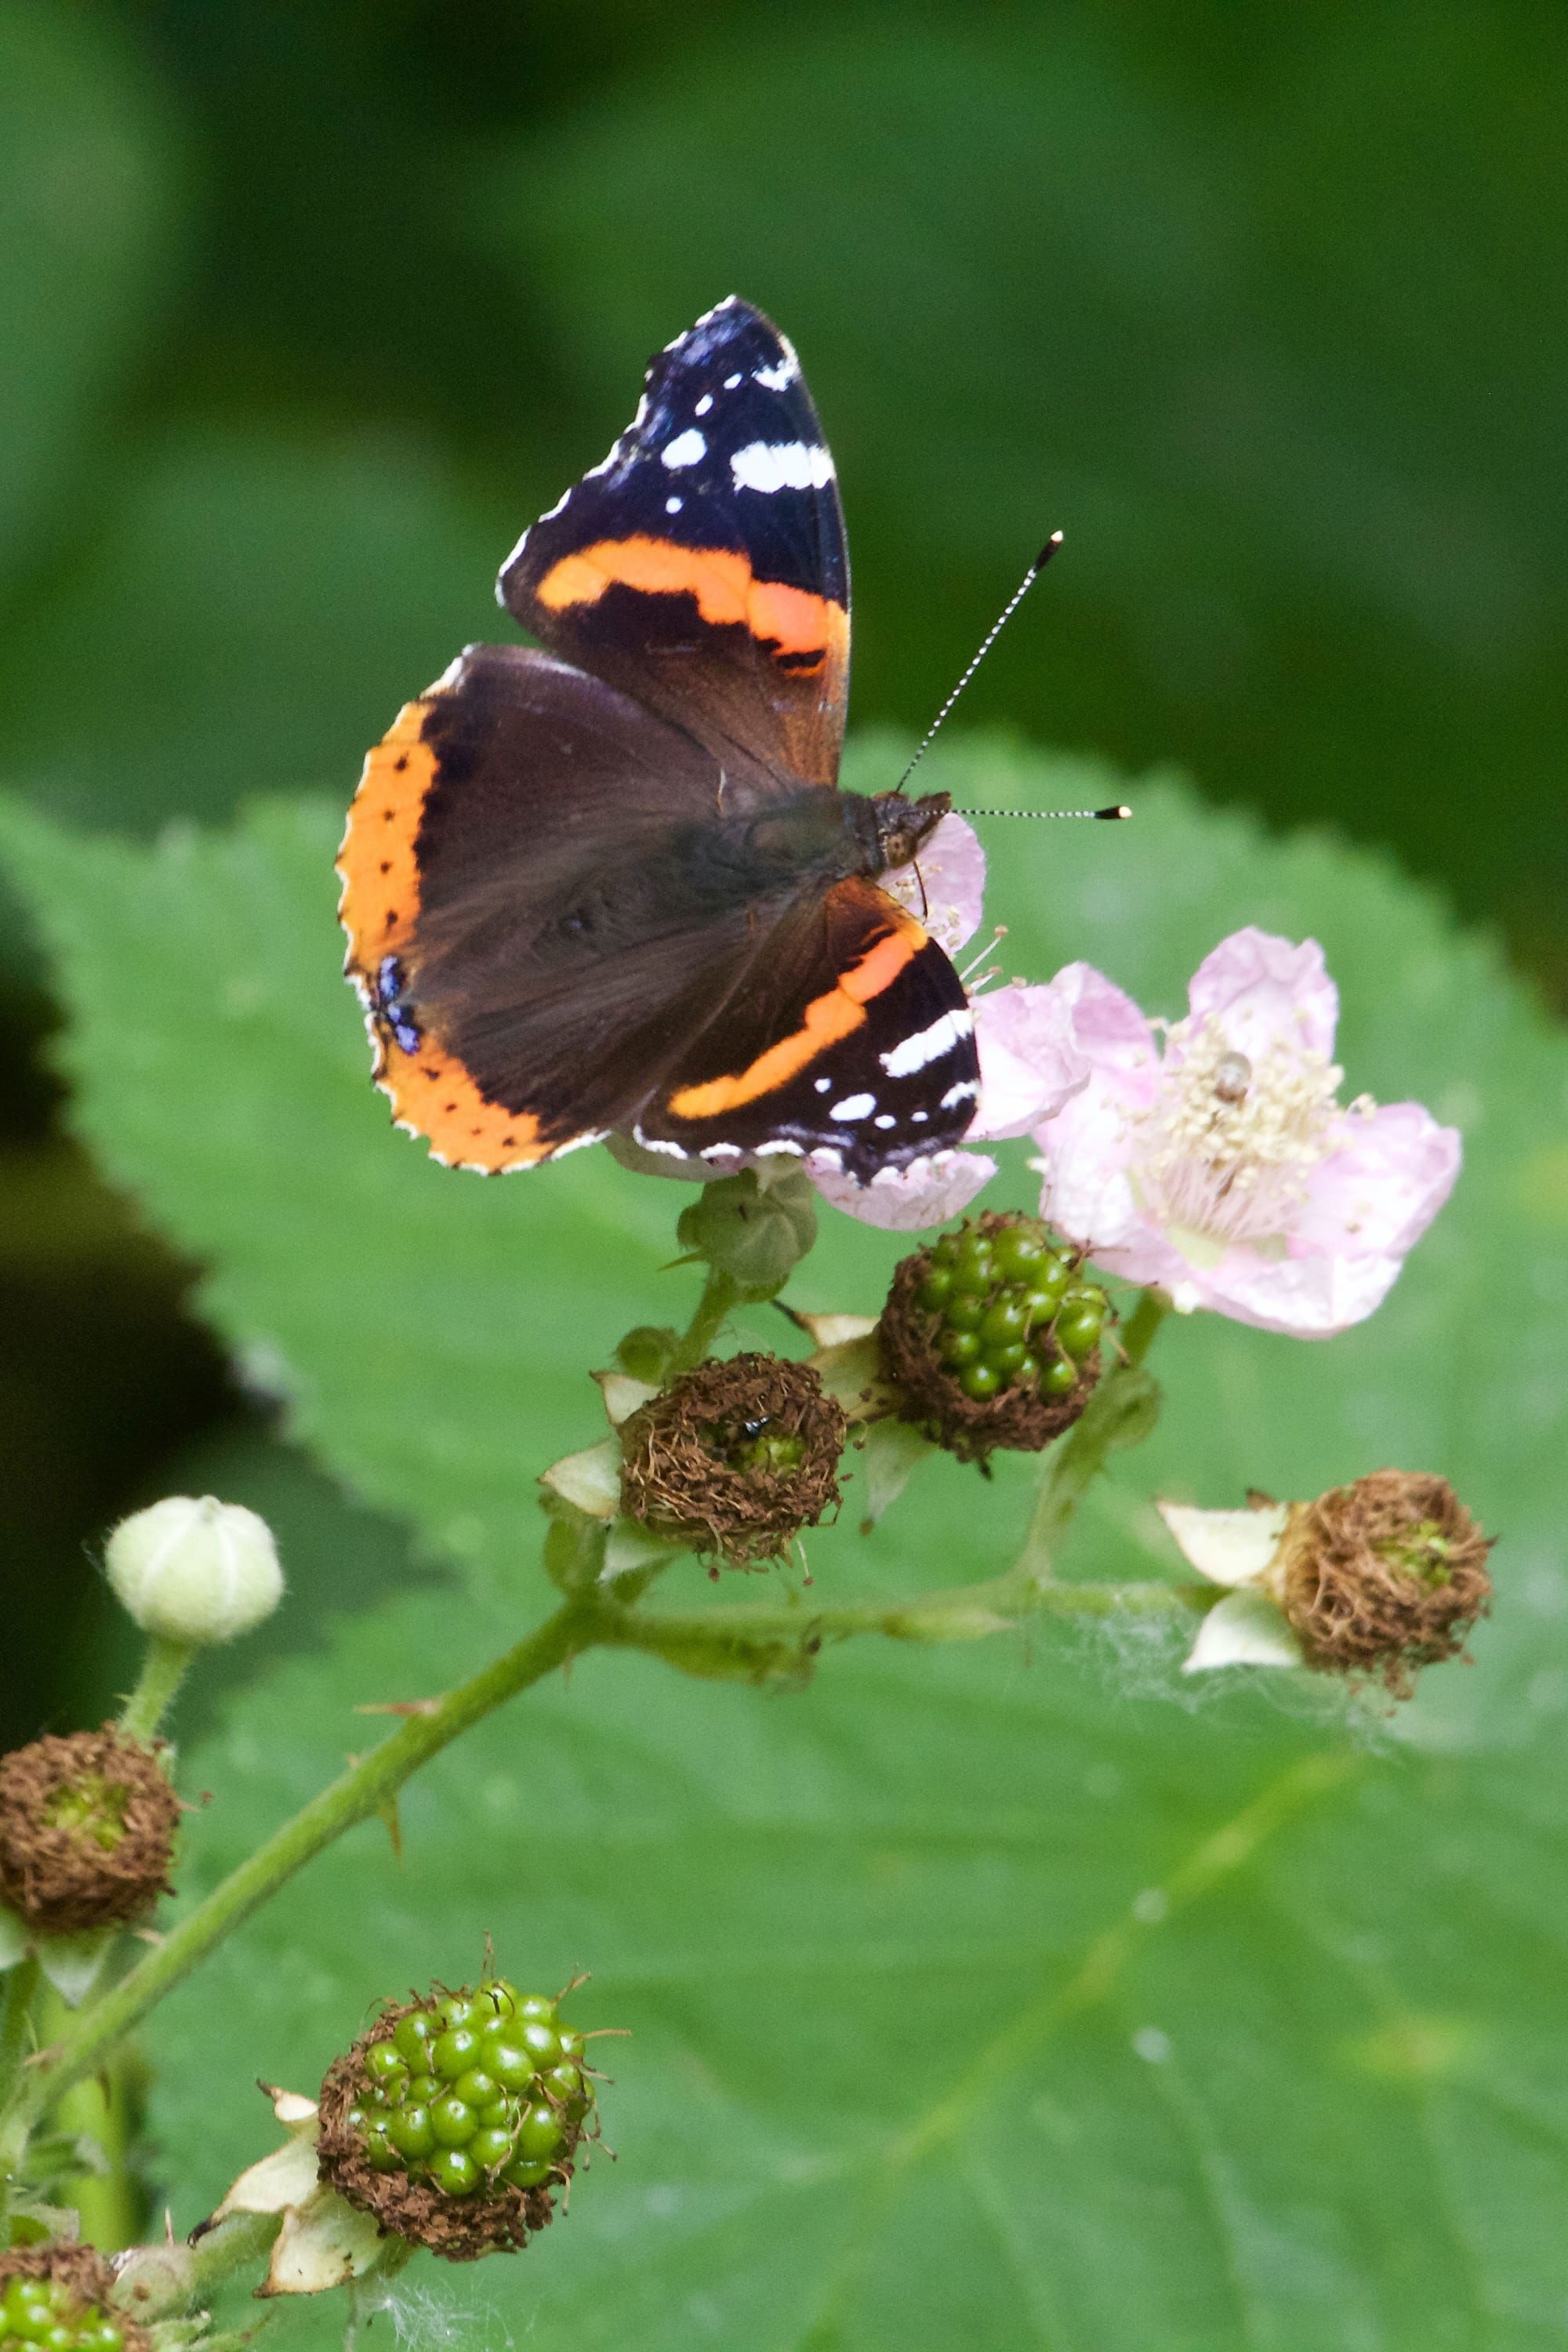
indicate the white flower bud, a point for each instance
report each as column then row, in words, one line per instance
column 199, row 1571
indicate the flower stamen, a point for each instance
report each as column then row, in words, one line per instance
column 1226, row 1148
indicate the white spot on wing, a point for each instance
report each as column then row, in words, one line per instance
column 704, row 404
column 853, row 1106
column 779, row 465
column 780, row 378
column 673, row 506
column 884, row 1119
column 731, row 381
column 824, row 1086
column 688, row 448
column 965, row 1092
column 913, row 1054
column 656, row 1143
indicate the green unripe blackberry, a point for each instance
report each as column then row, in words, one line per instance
column 453, row 2122
column 540, row 2133
column 507, row 2061
column 414, row 2036
column 411, row 2132
column 466, row 2153
column 454, row 2172
column 454, row 2052
column 994, row 1338
column 55, row 2298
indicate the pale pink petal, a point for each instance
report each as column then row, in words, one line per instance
column 943, row 886
column 1263, row 989
column 906, row 1200
column 1087, row 1147
column 1030, row 1061
column 1107, row 1026
column 1304, row 1297
column 1102, row 1215
column 1086, row 1192
column 1380, row 1191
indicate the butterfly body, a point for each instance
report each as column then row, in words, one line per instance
column 611, row 885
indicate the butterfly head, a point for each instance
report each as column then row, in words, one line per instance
column 902, row 827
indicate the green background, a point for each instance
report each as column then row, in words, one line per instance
column 304, row 313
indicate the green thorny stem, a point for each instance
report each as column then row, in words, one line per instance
column 724, row 1641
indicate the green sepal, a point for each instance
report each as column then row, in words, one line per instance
column 574, row 1546
column 890, row 1451
column 1132, row 1408
column 33, row 2221
column 647, row 1351
column 754, row 1229
column 72, row 1964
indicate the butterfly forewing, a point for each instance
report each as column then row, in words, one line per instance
column 702, row 567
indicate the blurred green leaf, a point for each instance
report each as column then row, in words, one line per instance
column 255, row 610
column 90, row 172
column 1017, row 1997
column 1263, row 314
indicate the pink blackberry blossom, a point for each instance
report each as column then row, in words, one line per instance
column 1219, row 1161
column 1031, row 1063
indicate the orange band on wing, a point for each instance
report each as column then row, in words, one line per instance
column 380, row 876
column 827, row 1018
column 431, row 1094
column 721, row 580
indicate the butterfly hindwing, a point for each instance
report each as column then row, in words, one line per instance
column 854, row 1040
column 702, row 566
column 503, row 878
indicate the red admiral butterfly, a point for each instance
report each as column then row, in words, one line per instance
column 613, row 887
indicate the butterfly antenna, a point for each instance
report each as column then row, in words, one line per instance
column 997, row 625
column 1105, row 815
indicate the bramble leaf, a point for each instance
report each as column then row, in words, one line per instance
column 1014, row 1993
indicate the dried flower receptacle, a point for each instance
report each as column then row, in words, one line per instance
column 88, row 1823
column 1371, row 1581
column 738, row 1456
column 1384, row 1577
